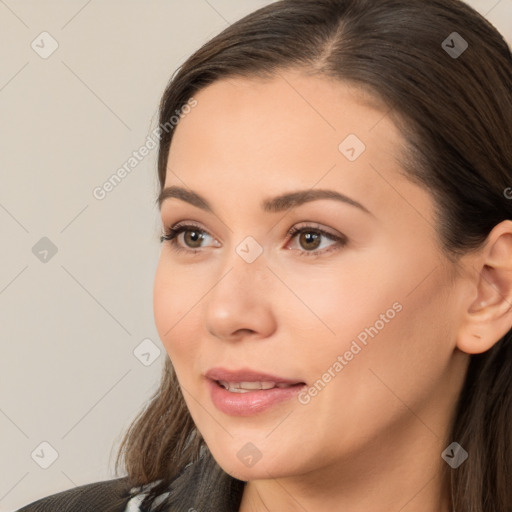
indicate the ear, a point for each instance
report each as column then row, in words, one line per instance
column 488, row 311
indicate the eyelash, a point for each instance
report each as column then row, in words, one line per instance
column 172, row 233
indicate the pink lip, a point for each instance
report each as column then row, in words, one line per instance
column 246, row 375
column 251, row 402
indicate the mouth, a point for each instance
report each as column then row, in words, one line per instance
column 248, row 392
column 247, row 379
column 248, row 386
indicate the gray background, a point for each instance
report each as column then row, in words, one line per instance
column 72, row 323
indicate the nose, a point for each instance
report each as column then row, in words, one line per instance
column 239, row 304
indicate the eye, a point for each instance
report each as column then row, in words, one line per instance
column 197, row 236
column 310, row 238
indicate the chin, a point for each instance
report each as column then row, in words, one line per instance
column 248, row 463
column 259, row 471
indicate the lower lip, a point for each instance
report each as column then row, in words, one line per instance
column 252, row 402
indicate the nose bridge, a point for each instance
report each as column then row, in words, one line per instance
column 250, row 251
column 245, row 266
column 239, row 300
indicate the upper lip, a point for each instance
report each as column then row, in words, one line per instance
column 247, row 375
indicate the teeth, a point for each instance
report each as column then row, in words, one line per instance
column 245, row 387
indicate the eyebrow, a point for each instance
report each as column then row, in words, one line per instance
column 270, row 205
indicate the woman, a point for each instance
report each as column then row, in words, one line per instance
column 334, row 288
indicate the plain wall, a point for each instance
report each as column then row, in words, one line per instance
column 71, row 321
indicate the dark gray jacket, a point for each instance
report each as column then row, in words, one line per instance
column 200, row 487
column 107, row 495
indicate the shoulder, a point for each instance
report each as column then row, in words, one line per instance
column 103, row 496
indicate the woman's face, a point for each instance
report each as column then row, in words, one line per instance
column 361, row 316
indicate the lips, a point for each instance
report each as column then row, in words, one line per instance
column 248, row 392
column 248, row 380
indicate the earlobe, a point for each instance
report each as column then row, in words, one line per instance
column 488, row 316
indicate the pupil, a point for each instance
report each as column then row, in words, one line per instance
column 311, row 237
column 196, row 234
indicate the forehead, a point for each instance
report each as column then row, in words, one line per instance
column 291, row 107
column 250, row 136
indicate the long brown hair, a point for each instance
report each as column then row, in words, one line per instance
column 455, row 114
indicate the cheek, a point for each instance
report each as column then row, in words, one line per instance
column 404, row 360
column 339, row 306
column 381, row 326
column 173, row 303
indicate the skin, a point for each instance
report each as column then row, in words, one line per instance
column 371, row 439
